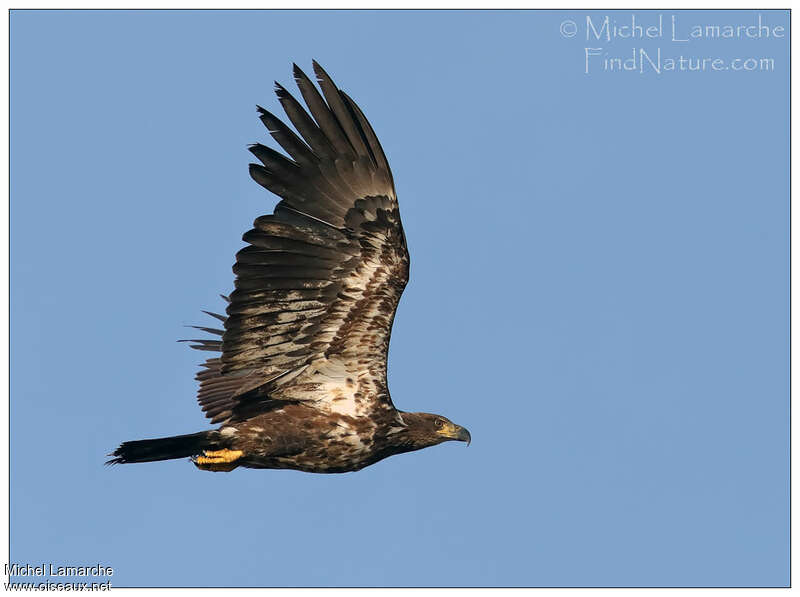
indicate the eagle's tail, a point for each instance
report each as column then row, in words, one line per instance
column 167, row 448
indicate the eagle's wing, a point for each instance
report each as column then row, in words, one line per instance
column 318, row 284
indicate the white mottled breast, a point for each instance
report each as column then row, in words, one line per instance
column 350, row 436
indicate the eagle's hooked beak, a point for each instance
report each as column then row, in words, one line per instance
column 456, row 432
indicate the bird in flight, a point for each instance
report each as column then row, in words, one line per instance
column 300, row 380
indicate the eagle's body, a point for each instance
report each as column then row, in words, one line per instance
column 310, row 441
column 300, row 437
column 301, row 379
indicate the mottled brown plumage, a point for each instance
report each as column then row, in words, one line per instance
column 300, row 382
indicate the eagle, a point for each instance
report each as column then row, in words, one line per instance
column 299, row 381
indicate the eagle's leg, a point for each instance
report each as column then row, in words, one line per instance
column 218, row 460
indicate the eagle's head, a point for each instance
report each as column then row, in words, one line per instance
column 420, row 430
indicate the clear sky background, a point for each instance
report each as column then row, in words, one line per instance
column 599, row 292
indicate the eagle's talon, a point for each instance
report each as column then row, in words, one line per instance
column 218, row 460
column 218, row 456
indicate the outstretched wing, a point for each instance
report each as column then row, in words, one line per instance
column 319, row 282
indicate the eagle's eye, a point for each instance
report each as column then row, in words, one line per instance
column 438, row 422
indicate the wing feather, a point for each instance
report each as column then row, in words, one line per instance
column 334, row 98
column 318, row 283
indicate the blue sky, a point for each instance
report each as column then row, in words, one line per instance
column 599, row 292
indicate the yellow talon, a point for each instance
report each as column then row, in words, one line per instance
column 219, row 456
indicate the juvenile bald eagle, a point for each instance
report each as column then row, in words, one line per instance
column 301, row 379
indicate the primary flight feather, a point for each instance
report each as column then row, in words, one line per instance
column 300, row 382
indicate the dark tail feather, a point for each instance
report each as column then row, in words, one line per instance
column 166, row 448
